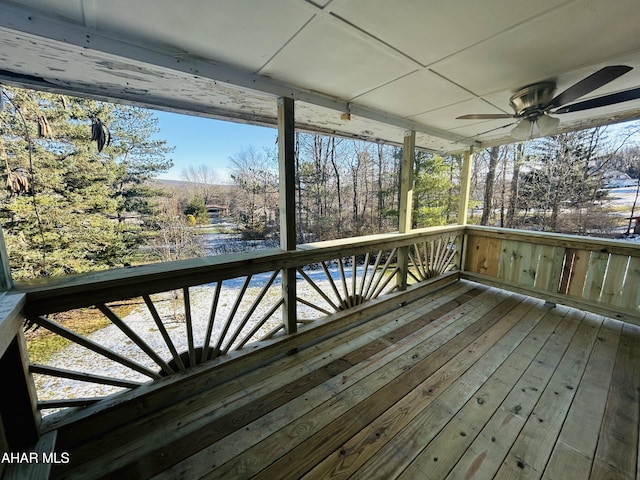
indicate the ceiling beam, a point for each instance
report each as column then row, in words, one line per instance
column 39, row 25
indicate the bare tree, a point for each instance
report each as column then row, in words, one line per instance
column 204, row 182
column 256, row 176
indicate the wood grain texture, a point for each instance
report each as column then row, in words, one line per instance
column 469, row 383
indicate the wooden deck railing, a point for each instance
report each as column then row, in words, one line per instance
column 230, row 308
column 187, row 312
column 597, row 275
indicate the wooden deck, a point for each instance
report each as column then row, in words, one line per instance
column 471, row 382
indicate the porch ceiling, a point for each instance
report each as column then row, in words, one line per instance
column 393, row 65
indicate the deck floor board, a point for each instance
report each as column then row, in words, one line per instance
column 469, row 383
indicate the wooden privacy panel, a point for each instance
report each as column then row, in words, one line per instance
column 482, row 255
column 591, row 274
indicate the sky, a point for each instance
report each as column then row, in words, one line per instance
column 200, row 141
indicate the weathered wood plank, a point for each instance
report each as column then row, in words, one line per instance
column 509, row 262
column 37, row 470
column 11, row 318
column 503, row 338
column 574, row 451
column 530, row 452
column 528, row 264
column 488, row 449
column 352, row 408
column 617, row 449
column 191, row 432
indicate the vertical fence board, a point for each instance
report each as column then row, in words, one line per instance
column 613, row 281
column 578, row 273
column 631, row 289
column 483, row 255
column 526, row 273
column 509, row 262
column 549, row 268
column 595, row 276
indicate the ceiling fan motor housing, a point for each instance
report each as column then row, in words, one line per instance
column 529, row 101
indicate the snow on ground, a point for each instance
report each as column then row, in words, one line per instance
column 171, row 310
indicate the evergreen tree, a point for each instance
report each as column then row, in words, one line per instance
column 433, row 190
column 198, row 210
column 84, row 163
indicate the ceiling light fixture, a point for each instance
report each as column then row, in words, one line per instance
column 524, row 130
column 547, row 124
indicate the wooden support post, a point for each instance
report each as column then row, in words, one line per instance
column 465, row 187
column 5, row 271
column 18, row 410
column 287, row 186
column 463, row 207
column 406, row 203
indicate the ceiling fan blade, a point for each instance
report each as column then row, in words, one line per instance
column 588, row 84
column 484, row 116
column 603, row 101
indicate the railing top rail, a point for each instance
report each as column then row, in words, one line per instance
column 83, row 290
column 11, row 305
column 604, row 245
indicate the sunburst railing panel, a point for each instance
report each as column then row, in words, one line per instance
column 331, row 286
column 165, row 333
column 432, row 257
column 182, row 314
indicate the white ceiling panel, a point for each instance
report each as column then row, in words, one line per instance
column 402, row 65
column 445, row 118
column 416, row 93
column 547, row 46
column 328, row 58
column 432, row 30
column 238, row 33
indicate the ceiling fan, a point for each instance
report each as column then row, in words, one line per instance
column 533, row 104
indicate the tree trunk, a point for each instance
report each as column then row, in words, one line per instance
column 488, row 189
column 513, row 195
column 337, row 174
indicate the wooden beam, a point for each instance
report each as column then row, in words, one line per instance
column 54, row 34
column 406, row 181
column 406, row 203
column 465, row 186
column 287, row 186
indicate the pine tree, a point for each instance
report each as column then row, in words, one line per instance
column 86, row 205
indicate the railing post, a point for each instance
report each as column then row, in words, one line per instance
column 19, row 416
column 463, row 207
column 18, row 408
column 406, row 204
column 6, row 281
column 286, row 161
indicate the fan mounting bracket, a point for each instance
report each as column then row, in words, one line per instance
column 529, row 101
